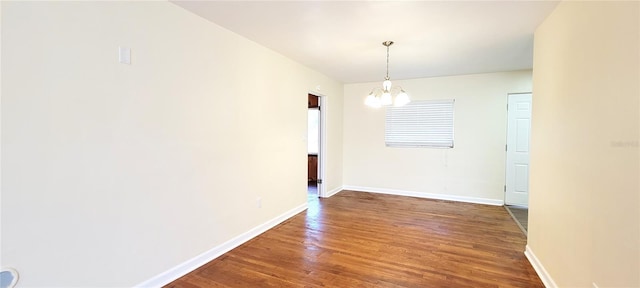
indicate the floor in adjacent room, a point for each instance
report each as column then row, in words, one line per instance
column 312, row 191
column 358, row 239
column 520, row 215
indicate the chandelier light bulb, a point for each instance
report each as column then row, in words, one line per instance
column 402, row 99
column 370, row 100
column 386, row 99
column 386, row 85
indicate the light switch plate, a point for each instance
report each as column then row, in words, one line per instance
column 124, row 55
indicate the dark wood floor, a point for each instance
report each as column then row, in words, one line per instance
column 357, row 239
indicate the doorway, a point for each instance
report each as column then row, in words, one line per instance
column 517, row 164
column 314, row 147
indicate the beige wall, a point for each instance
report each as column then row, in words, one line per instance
column 584, row 219
column 112, row 173
column 473, row 170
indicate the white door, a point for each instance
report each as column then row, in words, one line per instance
column 518, row 139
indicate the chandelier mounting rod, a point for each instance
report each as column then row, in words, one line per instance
column 387, row 44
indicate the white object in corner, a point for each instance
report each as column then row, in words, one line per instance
column 542, row 273
column 124, row 55
column 486, row 201
column 190, row 265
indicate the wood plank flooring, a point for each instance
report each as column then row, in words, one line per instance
column 357, row 239
column 521, row 216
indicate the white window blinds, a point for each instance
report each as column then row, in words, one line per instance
column 421, row 123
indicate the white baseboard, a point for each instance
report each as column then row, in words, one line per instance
column 332, row 192
column 192, row 264
column 494, row 202
column 542, row 273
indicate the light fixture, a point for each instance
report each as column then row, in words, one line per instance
column 388, row 94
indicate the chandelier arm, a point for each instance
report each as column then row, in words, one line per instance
column 395, row 90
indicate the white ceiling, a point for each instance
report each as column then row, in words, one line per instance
column 343, row 39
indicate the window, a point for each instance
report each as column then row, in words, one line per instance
column 313, row 122
column 421, row 123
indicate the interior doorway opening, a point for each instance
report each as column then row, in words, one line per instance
column 517, row 157
column 314, row 147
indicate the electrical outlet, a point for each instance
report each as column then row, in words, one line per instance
column 124, row 55
column 259, row 202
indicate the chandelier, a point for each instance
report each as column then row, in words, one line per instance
column 388, row 94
